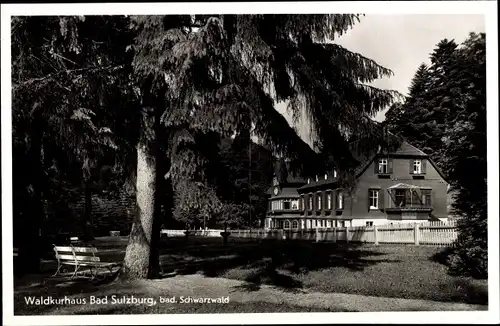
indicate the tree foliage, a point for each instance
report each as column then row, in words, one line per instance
column 69, row 77
column 421, row 119
column 208, row 77
column 445, row 115
column 465, row 156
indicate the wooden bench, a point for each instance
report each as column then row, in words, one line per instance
column 84, row 259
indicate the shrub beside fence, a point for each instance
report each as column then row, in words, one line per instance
column 426, row 233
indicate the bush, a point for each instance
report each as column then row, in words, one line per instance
column 469, row 261
column 470, row 255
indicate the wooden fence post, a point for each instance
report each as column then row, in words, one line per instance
column 375, row 234
column 416, row 231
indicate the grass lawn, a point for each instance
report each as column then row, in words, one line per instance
column 386, row 271
column 394, row 271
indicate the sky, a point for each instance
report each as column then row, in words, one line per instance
column 400, row 43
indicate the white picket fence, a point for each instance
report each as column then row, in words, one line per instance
column 424, row 233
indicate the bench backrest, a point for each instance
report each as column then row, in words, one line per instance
column 77, row 254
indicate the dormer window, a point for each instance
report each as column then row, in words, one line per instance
column 382, row 166
column 417, row 166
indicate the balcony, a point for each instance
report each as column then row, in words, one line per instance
column 409, row 202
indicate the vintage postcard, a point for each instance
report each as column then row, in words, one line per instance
column 233, row 163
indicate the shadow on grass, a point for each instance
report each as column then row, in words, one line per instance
column 294, row 265
column 271, row 262
column 442, row 256
column 468, row 289
column 473, row 293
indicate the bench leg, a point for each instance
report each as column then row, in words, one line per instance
column 59, row 265
column 77, row 267
column 93, row 273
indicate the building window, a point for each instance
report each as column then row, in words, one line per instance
column 369, row 223
column 334, row 173
column 340, row 199
column 286, row 205
column 295, row 224
column 374, row 198
column 426, row 197
column 294, row 205
column 286, row 224
column 400, row 198
column 341, row 224
column 308, row 224
column 382, row 165
column 326, row 176
column 308, row 180
column 310, row 207
column 318, row 198
column 317, row 179
column 417, row 166
column 329, row 200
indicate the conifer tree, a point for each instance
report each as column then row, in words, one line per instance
column 465, row 156
column 223, row 74
column 68, row 76
column 195, row 76
column 447, row 119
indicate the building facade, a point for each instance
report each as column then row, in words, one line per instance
column 400, row 187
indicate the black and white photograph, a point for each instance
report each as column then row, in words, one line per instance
column 240, row 162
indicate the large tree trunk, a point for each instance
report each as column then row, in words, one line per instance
column 141, row 256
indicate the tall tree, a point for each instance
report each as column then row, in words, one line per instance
column 452, row 113
column 421, row 119
column 223, row 74
column 245, row 177
column 465, row 155
column 68, row 74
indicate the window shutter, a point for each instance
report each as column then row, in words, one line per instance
column 369, row 199
column 411, row 166
column 389, row 165
column 375, row 165
column 381, row 203
column 424, row 166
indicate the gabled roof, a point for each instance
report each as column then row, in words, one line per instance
column 408, row 149
column 284, row 192
column 287, row 192
column 405, row 149
column 319, row 183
